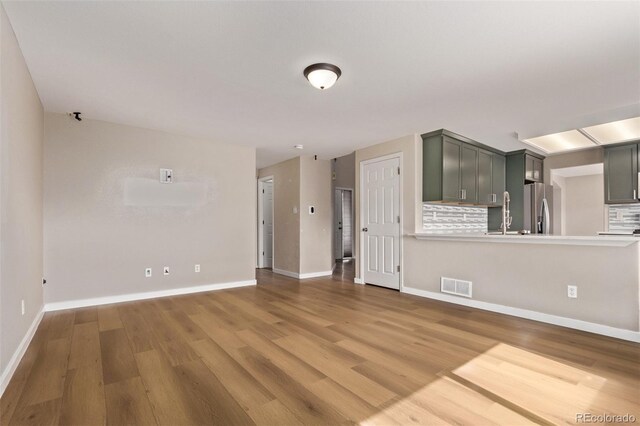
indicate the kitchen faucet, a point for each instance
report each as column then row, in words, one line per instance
column 506, row 218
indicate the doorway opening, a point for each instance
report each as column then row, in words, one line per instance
column 343, row 222
column 265, row 222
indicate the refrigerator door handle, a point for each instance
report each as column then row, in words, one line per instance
column 545, row 216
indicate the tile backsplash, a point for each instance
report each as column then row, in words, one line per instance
column 450, row 219
column 624, row 217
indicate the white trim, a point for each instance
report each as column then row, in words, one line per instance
column 303, row 276
column 13, row 363
column 605, row 330
column 603, row 240
column 399, row 156
column 316, row 274
column 358, row 280
column 260, row 258
column 81, row 303
column 286, row 273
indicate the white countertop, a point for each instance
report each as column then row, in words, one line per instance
column 596, row 240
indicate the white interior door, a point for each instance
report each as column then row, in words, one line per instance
column 380, row 207
column 267, row 228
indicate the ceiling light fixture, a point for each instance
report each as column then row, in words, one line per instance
column 560, row 142
column 588, row 137
column 616, row 131
column 298, row 146
column 322, row 75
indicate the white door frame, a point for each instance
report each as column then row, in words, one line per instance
column 353, row 216
column 261, row 182
column 360, row 260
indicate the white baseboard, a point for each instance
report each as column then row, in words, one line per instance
column 605, row 330
column 316, row 274
column 286, row 273
column 358, row 280
column 302, row 276
column 81, row 303
column 19, row 352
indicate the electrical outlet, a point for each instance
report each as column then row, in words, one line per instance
column 166, row 270
column 147, row 272
column 572, row 291
column 22, row 305
column 197, row 268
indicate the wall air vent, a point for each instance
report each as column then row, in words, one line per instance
column 457, row 287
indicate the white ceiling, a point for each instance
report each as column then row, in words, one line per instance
column 232, row 71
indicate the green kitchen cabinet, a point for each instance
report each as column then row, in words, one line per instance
column 459, row 170
column 469, row 174
column 450, row 180
column 621, row 177
column 491, row 178
column 485, row 181
column 498, row 178
column 533, row 168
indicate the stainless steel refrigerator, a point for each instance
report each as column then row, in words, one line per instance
column 538, row 208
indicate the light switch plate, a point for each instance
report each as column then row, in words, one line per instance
column 147, row 272
column 197, row 268
column 166, row 176
column 166, row 270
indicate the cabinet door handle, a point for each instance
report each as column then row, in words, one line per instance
column 463, row 194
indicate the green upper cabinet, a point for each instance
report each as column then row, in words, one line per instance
column 459, row 170
column 498, row 178
column 450, row 186
column 533, row 168
column 621, row 173
column 485, row 184
column 469, row 174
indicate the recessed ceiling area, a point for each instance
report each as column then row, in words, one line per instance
column 233, row 71
column 588, row 137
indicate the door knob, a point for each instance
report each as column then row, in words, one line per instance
column 365, row 229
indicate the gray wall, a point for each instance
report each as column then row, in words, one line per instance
column 344, row 171
column 315, row 230
column 572, row 159
column 584, row 205
column 21, row 139
column 302, row 242
column 535, row 277
column 286, row 223
column 107, row 217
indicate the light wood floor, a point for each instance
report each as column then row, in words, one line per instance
column 322, row 351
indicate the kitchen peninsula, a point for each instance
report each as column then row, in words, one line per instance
column 568, row 280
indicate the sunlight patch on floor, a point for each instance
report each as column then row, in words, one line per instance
column 508, row 385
